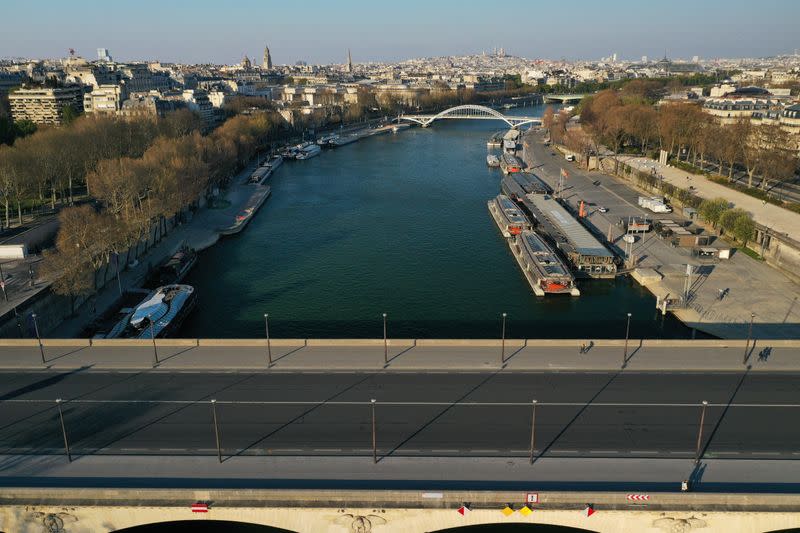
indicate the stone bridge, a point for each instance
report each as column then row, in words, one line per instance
column 105, row 510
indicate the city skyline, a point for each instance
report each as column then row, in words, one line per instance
column 197, row 33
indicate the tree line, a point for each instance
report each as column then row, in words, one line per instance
column 625, row 121
column 135, row 174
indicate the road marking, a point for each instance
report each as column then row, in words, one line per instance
column 327, row 449
column 484, row 451
column 173, row 449
column 766, row 453
column 564, row 451
column 643, row 451
column 603, row 451
column 445, row 451
column 726, row 453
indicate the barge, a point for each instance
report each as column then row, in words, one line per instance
column 510, row 164
column 508, row 216
column 543, row 268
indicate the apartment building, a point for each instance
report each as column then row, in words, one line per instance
column 45, row 105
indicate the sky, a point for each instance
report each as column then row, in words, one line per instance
column 317, row 31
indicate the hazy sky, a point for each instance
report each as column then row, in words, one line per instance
column 318, row 31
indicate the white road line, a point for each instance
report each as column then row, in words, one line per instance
column 484, row 451
column 603, row 451
column 564, row 451
column 445, row 451
column 725, row 453
column 643, row 451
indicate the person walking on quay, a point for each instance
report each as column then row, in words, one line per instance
column 583, row 347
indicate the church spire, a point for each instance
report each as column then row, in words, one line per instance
column 267, row 62
column 349, row 62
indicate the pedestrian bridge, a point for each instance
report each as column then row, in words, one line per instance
column 564, row 98
column 86, row 510
column 471, row 112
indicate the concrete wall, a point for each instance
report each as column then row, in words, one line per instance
column 93, row 511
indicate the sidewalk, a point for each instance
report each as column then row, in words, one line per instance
column 778, row 219
column 367, row 355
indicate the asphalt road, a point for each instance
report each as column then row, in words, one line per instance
column 170, row 413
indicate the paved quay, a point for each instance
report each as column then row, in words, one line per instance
column 752, row 286
column 776, row 218
column 325, row 355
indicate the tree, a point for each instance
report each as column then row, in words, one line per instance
column 712, row 210
column 68, row 115
column 738, row 223
column 547, row 118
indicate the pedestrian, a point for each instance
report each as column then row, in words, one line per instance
column 583, row 347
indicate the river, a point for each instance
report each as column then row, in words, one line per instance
column 398, row 224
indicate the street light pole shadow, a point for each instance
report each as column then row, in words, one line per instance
column 287, row 354
column 57, row 357
column 176, row 354
column 511, row 356
column 398, row 354
column 634, row 352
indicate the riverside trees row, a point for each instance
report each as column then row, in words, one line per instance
column 627, row 121
column 136, row 173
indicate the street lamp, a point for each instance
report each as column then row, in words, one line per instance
column 38, row 337
column 503, row 341
column 627, row 334
column 269, row 345
column 749, row 335
column 385, row 343
column 153, row 336
column 216, row 428
column 533, row 428
column 63, row 429
column 700, row 432
column 374, row 433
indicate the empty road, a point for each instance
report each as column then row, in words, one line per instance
column 130, row 413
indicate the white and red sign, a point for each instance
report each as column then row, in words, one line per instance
column 463, row 510
column 589, row 511
column 532, row 497
column 638, row 497
column 199, row 507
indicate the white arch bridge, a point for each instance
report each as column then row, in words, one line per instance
column 471, row 112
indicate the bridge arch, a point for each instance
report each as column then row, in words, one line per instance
column 202, row 526
column 514, row 528
column 468, row 111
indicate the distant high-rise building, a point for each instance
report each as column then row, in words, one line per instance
column 349, row 61
column 644, row 59
column 502, row 52
column 695, row 59
column 45, row 105
column 267, row 63
column 614, row 57
column 103, row 55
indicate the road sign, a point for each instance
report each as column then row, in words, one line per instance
column 464, row 510
column 532, row 497
column 589, row 511
column 638, row 497
column 199, row 507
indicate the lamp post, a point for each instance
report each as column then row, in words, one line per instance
column 700, row 432
column 503, row 341
column 627, row 334
column 216, row 428
column 3, row 282
column 63, row 430
column 533, row 428
column 153, row 336
column 269, row 344
column 385, row 343
column 749, row 336
column 374, row 433
column 38, row 337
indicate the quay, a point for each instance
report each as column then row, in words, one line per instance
column 756, row 293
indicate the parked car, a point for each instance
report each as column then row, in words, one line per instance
column 602, row 209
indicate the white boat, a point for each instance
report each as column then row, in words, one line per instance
column 159, row 314
column 508, row 216
column 308, row 152
column 492, row 160
column 274, row 162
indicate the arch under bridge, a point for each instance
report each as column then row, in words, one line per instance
column 471, row 112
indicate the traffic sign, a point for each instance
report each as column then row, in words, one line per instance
column 464, row 510
column 638, row 497
column 532, row 497
column 589, row 511
column 199, row 507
